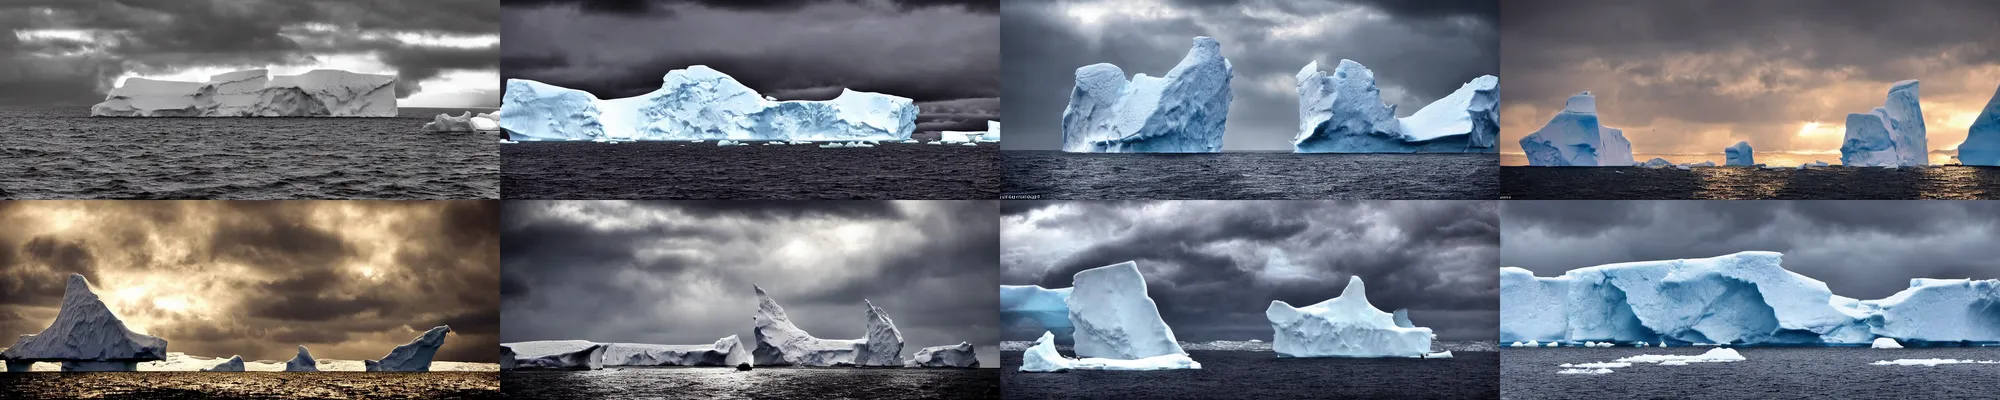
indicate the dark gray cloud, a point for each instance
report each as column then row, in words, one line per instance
column 681, row 272
column 1699, row 75
column 1420, row 51
column 73, row 51
column 1861, row 249
column 349, row 279
column 1214, row 267
column 942, row 54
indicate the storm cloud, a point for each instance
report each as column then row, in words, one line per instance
column 1696, row 76
column 683, row 272
column 1861, row 249
column 1215, row 266
column 349, row 279
column 1419, row 50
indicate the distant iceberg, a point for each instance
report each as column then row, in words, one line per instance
column 255, row 93
column 1982, row 141
column 1888, row 136
column 1575, row 138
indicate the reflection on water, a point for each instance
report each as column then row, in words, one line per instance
column 250, row 385
column 1945, row 182
column 760, row 383
column 1771, row 159
column 1737, row 183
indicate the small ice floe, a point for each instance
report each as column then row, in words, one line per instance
column 968, row 144
column 1931, row 362
column 1713, row 355
column 1885, row 343
column 1574, row 371
column 1517, row 344
column 1598, row 365
column 1445, row 354
column 1555, row 344
column 505, row 141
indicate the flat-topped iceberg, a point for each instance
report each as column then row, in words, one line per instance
column 960, row 355
column 233, row 364
column 1982, row 141
column 1028, row 306
column 1888, row 136
column 255, row 93
column 781, row 343
column 700, row 103
column 465, row 122
column 553, row 354
column 1344, row 326
column 1182, row 112
column 1114, row 318
column 85, row 336
column 726, row 352
column 1739, row 155
column 414, row 356
column 303, row 362
column 1575, row 138
column 1344, row 113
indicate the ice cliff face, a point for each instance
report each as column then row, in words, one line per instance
column 1888, row 136
column 1036, row 308
column 1182, row 112
column 958, row 356
column 700, row 103
column 1114, row 318
column 233, row 364
column 781, row 343
column 1739, row 155
column 255, row 93
column 726, row 352
column 884, row 345
column 1575, row 138
column 1982, row 141
column 85, row 336
column 1742, row 298
column 1344, row 113
column 1345, row 326
column 553, row 355
column 303, row 362
column 414, row 356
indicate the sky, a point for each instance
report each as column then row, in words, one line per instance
column 1861, row 249
column 1419, row 50
column 350, row 280
column 445, row 53
column 1695, row 76
column 1213, row 267
column 682, row 272
column 942, row 54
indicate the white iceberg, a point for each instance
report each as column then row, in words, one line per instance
column 956, row 356
column 303, row 362
column 1344, row 113
column 1345, row 326
column 1038, row 308
column 992, row 132
column 1888, row 136
column 233, row 364
column 1182, row 112
column 1713, row 355
column 700, row 103
column 1938, row 310
column 1575, row 138
column 1931, row 362
column 553, row 354
column 414, row 356
column 255, row 93
column 1114, row 318
column 1885, row 343
column 884, row 345
column 726, row 352
column 465, row 122
column 1739, row 155
column 85, row 336
column 1044, row 358
column 781, row 343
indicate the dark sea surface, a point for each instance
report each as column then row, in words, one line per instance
column 681, row 170
column 1735, row 183
column 1262, row 375
column 1057, row 175
column 64, row 153
column 1769, row 373
column 759, row 383
column 250, row 385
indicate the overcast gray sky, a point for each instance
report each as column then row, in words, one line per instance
column 945, row 55
column 1695, row 76
column 680, row 272
column 445, row 53
column 1214, row 266
column 1420, row 51
column 1861, row 249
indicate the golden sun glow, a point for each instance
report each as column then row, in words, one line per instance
column 174, row 304
column 1815, row 128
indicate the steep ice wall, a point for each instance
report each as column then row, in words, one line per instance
column 781, row 343
column 303, row 362
column 1982, row 141
column 1344, row 113
column 414, row 356
column 700, row 103
column 553, row 354
column 1739, row 155
column 1888, row 136
column 1182, row 112
column 1114, row 318
column 255, row 93
column 85, row 335
column 1575, row 138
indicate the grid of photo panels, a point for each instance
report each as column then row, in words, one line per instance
column 811, row 199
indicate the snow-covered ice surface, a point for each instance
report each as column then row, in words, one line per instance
column 1712, row 355
column 1938, row 310
column 85, row 335
column 1344, row 326
column 303, row 362
column 1931, row 362
column 1575, row 138
column 1039, row 308
column 1982, row 140
column 960, row 355
column 255, row 93
column 1888, row 136
column 1344, row 113
column 414, row 356
column 725, row 352
column 233, row 364
column 465, row 122
column 779, row 342
column 1885, row 343
column 1181, row 112
column 1737, row 155
column 700, row 103
column 1043, row 357
column 1114, row 317
column 554, row 354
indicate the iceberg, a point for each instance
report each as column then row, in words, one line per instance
column 1043, row 357
column 1182, row 112
column 85, row 336
column 959, row 136
column 1575, row 138
column 1938, row 310
column 726, row 352
column 1888, row 136
column 1037, row 308
column 1885, row 343
column 552, row 354
column 234, row 364
column 1982, row 141
column 1931, row 362
column 466, row 122
column 1657, row 162
column 1532, row 309
column 1344, row 113
column 1739, row 155
column 303, row 362
column 255, row 93
column 779, row 342
column 414, row 356
column 1344, row 326
column 884, row 345
column 1114, row 318
column 1712, row 355
column 958, row 356
column 700, row 103
column 992, row 132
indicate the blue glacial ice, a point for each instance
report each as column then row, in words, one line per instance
column 1739, row 155
column 1116, row 326
column 1888, row 136
column 1982, row 142
column 700, row 103
column 1344, row 113
column 1575, row 138
column 1033, row 308
column 1344, row 326
column 1182, row 112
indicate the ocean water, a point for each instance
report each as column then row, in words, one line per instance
column 759, row 383
column 1056, row 175
column 1788, row 159
column 1261, row 375
column 679, row 170
column 63, row 153
column 1830, row 183
column 1769, row 373
column 251, row 385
